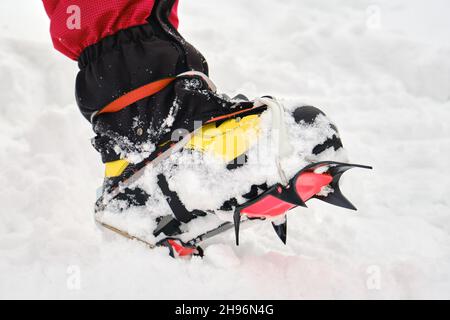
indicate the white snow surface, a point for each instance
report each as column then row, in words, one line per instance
column 379, row 69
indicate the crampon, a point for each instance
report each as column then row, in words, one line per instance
column 316, row 181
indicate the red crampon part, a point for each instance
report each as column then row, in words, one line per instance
column 179, row 249
column 305, row 185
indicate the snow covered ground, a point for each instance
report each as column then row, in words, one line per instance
column 380, row 69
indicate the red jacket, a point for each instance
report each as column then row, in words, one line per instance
column 95, row 19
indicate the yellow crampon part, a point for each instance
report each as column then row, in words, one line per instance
column 229, row 140
column 115, row 168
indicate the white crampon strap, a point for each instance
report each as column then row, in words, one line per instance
column 211, row 84
column 279, row 133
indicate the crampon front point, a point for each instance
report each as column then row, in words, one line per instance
column 316, row 181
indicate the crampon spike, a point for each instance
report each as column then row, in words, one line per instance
column 336, row 197
column 281, row 230
column 237, row 224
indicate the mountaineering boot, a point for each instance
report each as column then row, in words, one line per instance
column 184, row 163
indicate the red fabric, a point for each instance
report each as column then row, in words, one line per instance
column 98, row 19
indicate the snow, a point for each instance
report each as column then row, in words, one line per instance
column 379, row 69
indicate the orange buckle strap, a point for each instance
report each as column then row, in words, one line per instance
column 136, row 95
